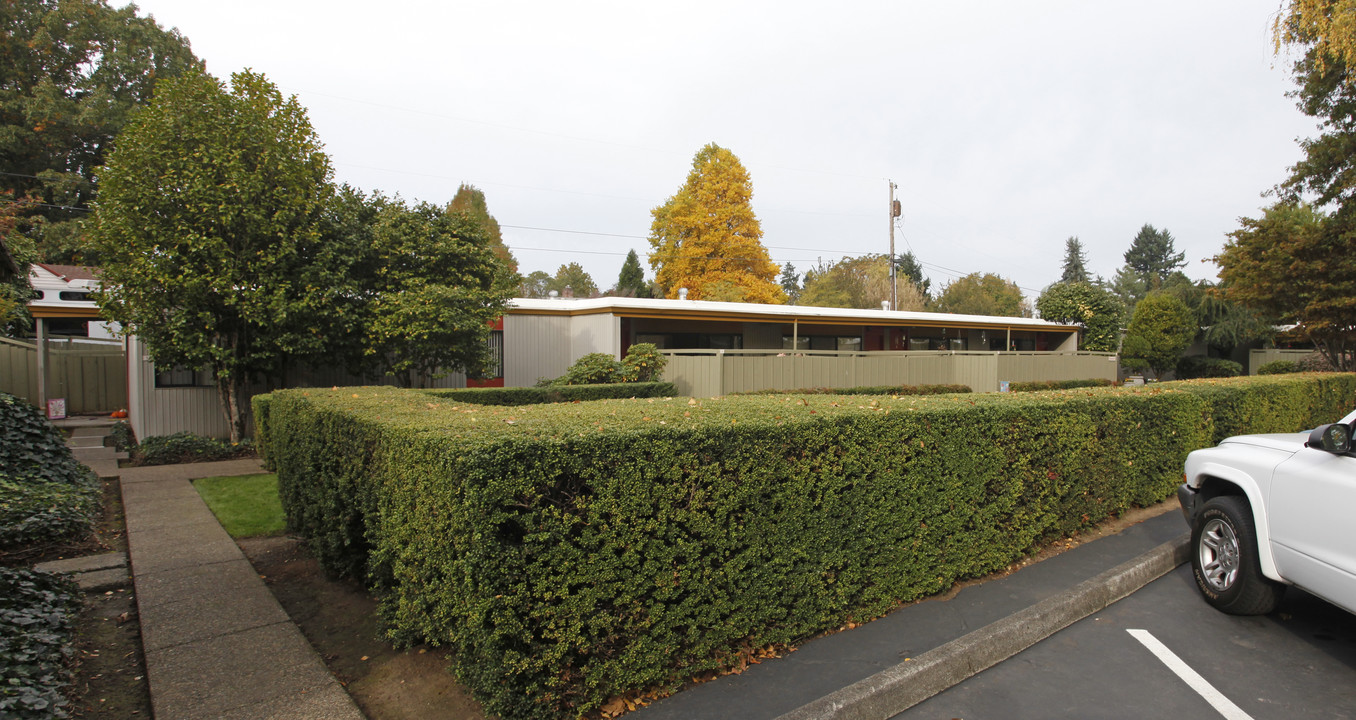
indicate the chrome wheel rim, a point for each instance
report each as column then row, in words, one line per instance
column 1218, row 552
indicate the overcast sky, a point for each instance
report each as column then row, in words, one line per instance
column 1007, row 126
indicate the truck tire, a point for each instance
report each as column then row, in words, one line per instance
column 1224, row 559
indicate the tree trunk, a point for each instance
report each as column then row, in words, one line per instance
column 230, row 391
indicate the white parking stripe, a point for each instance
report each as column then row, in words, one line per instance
column 1191, row 677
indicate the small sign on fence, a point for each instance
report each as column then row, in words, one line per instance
column 56, row 409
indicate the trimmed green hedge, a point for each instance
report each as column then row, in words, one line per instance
column 259, row 408
column 869, row 390
column 1040, row 385
column 573, row 553
column 1271, row 403
column 1279, row 367
column 557, row 393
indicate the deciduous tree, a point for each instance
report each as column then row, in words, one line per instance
column 1097, row 310
column 534, row 284
column 72, row 73
column 471, row 201
column 208, row 222
column 1159, row 332
column 982, row 294
column 436, row 288
column 857, row 282
column 706, row 237
column 1296, row 264
column 574, row 277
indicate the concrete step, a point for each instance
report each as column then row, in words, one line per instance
column 93, row 572
column 86, row 454
column 91, row 431
column 85, row 441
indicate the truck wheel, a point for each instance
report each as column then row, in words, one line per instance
column 1224, row 559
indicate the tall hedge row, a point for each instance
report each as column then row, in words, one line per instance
column 572, row 553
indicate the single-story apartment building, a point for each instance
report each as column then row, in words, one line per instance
column 714, row 348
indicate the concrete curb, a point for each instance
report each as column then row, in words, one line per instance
column 894, row 690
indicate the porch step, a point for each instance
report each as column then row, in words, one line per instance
column 85, row 441
column 86, row 454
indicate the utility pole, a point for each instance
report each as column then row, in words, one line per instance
column 895, row 212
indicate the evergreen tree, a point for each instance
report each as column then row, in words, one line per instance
column 907, row 266
column 631, row 280
column 790, row 282
column 1152, row 256
column 1075, row 262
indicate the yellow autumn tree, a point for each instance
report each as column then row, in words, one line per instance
column 1328, row 27
column 707, row 239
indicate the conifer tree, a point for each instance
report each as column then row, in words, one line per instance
column 707, row 239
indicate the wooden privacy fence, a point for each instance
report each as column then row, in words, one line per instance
column 707, row 373
column 90, row 375
column 1258, row 358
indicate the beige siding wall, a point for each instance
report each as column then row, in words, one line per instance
column 535, row 346
column 705, row 374
column 594, row 334
column 92, row 378
column 1258, row 358
column 164, row 411
column 1033, row 366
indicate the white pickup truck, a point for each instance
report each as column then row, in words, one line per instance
column 1268, row 511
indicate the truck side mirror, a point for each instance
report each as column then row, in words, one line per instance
column 1334, row 438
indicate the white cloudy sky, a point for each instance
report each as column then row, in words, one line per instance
column 1007, row 126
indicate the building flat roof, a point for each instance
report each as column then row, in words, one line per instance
column 754, row 312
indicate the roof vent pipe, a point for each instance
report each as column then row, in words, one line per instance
column 553, row 295
column 885, row 305
column 682, row 293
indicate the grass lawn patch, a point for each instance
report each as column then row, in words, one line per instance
column 246, row 505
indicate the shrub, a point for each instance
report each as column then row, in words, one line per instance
column 46, row 497
column 185, row 447
column 868, row 390
column 37, row 620
column 573, row 553
column 1279, row 367
column 1315, row 362
column 1269, row 403
column 1038, row 385
column 643, row 363
column 123, row 437
column 593, row 369
column 1197, row 366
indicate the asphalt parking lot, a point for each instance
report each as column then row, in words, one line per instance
column 1299, row 662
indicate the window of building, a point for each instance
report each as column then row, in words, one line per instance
column 496, row 342
column 184, row 377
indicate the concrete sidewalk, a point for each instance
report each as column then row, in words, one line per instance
column 217, row 644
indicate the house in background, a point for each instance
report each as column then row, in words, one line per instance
column 714, row 348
